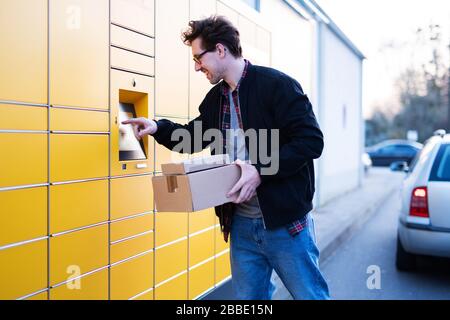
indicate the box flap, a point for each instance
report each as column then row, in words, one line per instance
column 172, row 193
column 195, row 164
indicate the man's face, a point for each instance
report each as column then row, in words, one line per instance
column 209, row 63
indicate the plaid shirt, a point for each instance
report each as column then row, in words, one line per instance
column 295, row 227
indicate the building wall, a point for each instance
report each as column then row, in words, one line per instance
column 340, row 117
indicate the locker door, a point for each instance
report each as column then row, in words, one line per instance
column 199, row 85
column 79, row 53
column 172, row 59
column 23, row 57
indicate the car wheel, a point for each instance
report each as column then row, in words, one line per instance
column 404, row 261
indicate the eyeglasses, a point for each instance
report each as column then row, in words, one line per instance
column 197, row 57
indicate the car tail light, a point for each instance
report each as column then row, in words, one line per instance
column 419, row 203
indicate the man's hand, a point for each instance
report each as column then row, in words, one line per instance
column 247, row 184
column 142, row 127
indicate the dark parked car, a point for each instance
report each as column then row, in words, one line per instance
column 387, row 152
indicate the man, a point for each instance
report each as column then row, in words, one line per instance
column 270, row 222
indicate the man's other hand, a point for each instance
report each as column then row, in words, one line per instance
column 247, row 184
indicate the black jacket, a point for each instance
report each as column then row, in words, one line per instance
column 269, row 99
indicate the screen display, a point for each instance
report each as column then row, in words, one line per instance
column 130, row 148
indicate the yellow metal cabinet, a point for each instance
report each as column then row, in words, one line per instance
column 129, row 227
column 27, row 160
column 263, row 40
column 131, row 247
column 137, row 15
column 201, row 279
column 170, row 261
column 199, row 84
column 201, row 220
column 223, row 268
column 23, row 270
column 78, row 120
column 175, row 289
column 130, row 40
column 132, row 62
column 221, row 245
column 17, row 117
column 23, row 214
column 132, row 277
column 170, row 227
column 200, row 9
column 172, row 59
column 164, row 155
column 78, row 253
column 91, row 205
column 201, row 247
column 79, row 53
column 247, row 30
column 90, row 287
column 23, row 58
column 41, row 296
column 130, row 196
column 138, row 90
column 146, row 296
column 78, row 156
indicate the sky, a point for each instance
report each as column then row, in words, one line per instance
column 374, row 24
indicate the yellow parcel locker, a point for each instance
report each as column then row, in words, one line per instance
column 201, row 279
column 170, row 226
column 130, row 196
column 91, row 205
column 131, row 247
column 79, row 53
column 132, row 277
column 126, row 39
column 172, row 59
column 221, row 245
column 230, row 14
column 39, row 297
column 132, row 96
column 129, row 227
column 78, row 157
column 132, row 62
column 199, row 84
column 23, row 220
column 23, row 270
column 18, row 117
column 26, row 163
column 201, row 247
column 223, row 268
column 77, row 253
column 170, row 261
column 175, row 289
column 150, row 295
column 137, row 15
column 201, row 220
column 90, row 287
column 23, row 57
column 78, row 120
column 164, row 155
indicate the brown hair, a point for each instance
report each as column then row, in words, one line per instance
column 214, row 30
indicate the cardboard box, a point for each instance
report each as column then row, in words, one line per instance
column 195, row 184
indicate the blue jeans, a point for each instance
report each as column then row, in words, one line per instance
column 255, row 252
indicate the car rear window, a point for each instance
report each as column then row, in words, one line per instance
column 441, row 166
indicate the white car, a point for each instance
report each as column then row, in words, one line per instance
column 424, row 224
